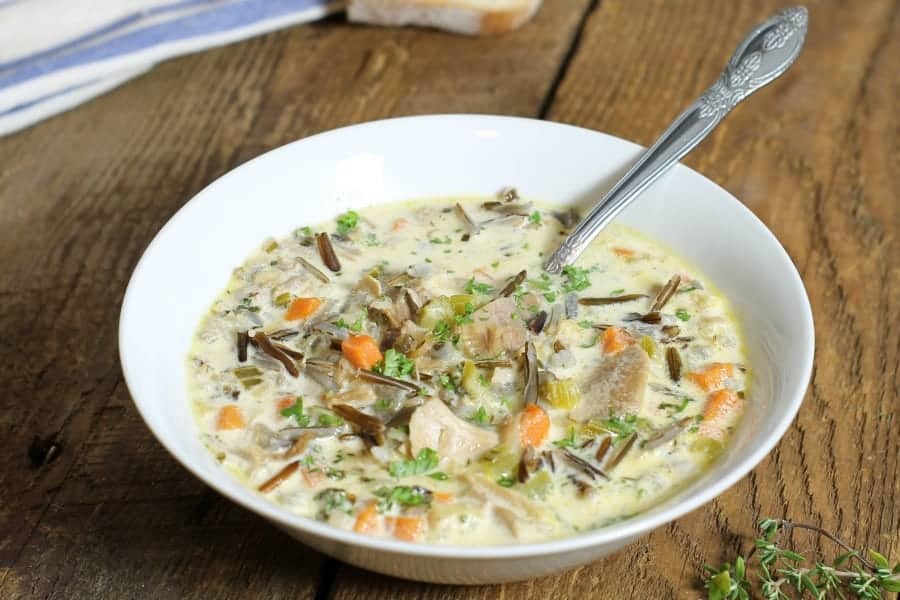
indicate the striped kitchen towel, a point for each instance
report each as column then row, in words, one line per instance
column 56, row 54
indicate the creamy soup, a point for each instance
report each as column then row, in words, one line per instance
column 410, row 371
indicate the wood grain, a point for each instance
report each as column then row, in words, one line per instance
column 108, row 514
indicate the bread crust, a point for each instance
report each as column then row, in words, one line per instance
column 468, row 17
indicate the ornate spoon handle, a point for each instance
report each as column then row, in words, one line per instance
column 763, row 56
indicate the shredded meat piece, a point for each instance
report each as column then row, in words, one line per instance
column 434, row 426
column 494, row 330
column 617, row 386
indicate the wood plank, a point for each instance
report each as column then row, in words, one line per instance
column 811, row 156
column 815, row 157
column 109, row 513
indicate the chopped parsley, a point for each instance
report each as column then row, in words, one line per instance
column 622, row 426
column 304, row 419
column 473, row 287
column 296, row 411
column 307, row 231
column 247, row 304
column 331, row 500
column 683, row 314
column 328, row 419
column 446, row 240
column 676, row 408
column 395, row 364
column 426, row 460
column 333, row 473
column 438, row 475
column 481, row 416
column 585, row 324
column 442, row 332
column 617, row 292
column 506, row 481
column 403, row 495
column 567, row 442
column 371, row 240
column 356, row 326
column 535, row 217
column 466, row 317
column 447, row 382
column 576, row 279
column 347, row 222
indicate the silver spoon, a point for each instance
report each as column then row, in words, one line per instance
column 762, row 57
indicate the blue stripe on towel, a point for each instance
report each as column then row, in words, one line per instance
column 206, row 23
column 107, row 29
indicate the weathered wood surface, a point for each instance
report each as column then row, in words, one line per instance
column 108, row 514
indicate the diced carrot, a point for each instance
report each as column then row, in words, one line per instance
column 312, row 478
column 230, row 417
column 445, row 497
column 623, row 252
column 400, row 224
column 408, row 529
column 616, row 339
column 286, row 402
column 720, row 407
column 301, row 308
column 367, row 521
column 534, row 425
column 712, row 376
column 361, row 350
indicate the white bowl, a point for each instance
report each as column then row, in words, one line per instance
column 189, row 262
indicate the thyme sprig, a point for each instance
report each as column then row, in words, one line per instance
column 780, row 570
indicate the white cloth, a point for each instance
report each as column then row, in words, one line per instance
column 56, row 54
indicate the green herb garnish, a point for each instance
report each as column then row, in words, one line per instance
column 403, row 495
column 683, row 314
column 395, row 364
column 328, row 419
column 296, row 411
column 446, row 240
column 506, row 481
column 676, row 408
column 347, row 222
column 473, row 287
column 622, row 426
column 466, row 317
column 331, row 500
column 567, row 442
column 442, row 332
column 781, row 573
column 535, row 217
column 481, row 416
column 576, row 279
column 426, row 460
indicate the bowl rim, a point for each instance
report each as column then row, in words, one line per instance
column 627, row 529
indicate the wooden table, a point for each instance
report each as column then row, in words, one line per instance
column 91, row 506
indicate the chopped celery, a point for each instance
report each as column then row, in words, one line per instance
column 563, row 393
column 538, row 485
column 435, row 311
